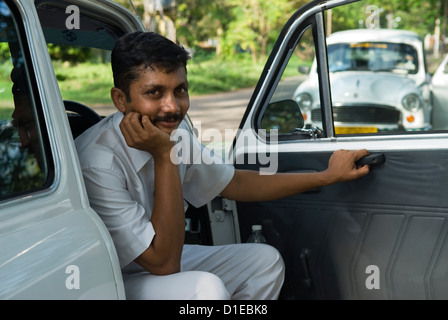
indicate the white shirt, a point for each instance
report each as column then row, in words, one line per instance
column 120, row 183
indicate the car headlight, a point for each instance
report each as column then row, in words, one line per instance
column 411, row 102
column 304, row 101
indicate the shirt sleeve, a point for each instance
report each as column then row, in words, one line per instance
column 206, row 176
column 129, row 226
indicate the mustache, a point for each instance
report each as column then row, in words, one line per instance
column 168, row 117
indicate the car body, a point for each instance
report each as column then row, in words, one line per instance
column 53, row 245
column 379, row 82
column 383, row 236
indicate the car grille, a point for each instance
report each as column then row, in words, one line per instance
column 360, row 114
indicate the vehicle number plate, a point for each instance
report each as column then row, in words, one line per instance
column 352, row 130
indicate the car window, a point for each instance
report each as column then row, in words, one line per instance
column 380, row 66
column 24, row 165
column 79, row 44
column 378, row 72
column 283, row 117
column 372, row 56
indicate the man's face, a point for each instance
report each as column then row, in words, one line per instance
column 162, row 96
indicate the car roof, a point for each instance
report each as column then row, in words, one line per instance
column 376, row 35
column 100, row 24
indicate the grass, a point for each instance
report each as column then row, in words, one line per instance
column 87, row 82
column 215, row 75
column 219, row 76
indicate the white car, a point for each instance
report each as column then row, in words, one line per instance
column 379, row 82
column 52, row 244
column 383, row 236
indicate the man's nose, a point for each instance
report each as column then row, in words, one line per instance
column 170, row 104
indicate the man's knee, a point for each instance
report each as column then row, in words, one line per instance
column 271, row 257
column 207, row 286
column 268, row 276
column 189, row 285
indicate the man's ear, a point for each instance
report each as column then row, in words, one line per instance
column 119, row 99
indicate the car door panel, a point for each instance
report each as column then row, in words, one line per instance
column 394, row 219
column 383, row 236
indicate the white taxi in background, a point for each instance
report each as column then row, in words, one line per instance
column 379, row 82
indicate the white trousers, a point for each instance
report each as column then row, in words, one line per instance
column 241, row 272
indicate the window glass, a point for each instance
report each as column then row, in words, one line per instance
column 79, row 44
column 373, row 56
column 382, row 63
column 23, row 164
column 378, row 68
column 80, row 54
column 285, row 117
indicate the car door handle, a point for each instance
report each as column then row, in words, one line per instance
column 305, row 255
column 374, row 158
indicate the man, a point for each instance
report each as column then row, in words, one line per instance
column 139, row 192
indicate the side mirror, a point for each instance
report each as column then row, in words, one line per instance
column 304, row 69
column 284, row 116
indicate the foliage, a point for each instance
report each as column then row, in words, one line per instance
column 69, row 53
column 218, row 75
column 95, row 78
column 255, row 25
column 415, row 15
column 210, row 74
column 18, row 170
column 251, row 26
column 198, row 21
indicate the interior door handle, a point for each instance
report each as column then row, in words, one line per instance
column 374, row 158
column 305, row 255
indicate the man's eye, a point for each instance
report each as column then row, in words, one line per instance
column 181, row 90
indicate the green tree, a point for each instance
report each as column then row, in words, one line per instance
column 70, row 53
column 202, row 20
column 415, row 15
column 253, row 25
column 256, row 24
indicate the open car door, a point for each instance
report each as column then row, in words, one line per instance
column 383, row 236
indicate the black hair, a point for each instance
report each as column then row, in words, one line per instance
column 136, row 51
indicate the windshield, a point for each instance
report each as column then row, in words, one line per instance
column 373, row 56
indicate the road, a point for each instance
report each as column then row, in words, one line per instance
column 225, row 110
column 220, row 111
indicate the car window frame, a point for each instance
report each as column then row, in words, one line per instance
column 22, row 29
column 282, row 52
column 278, row 61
